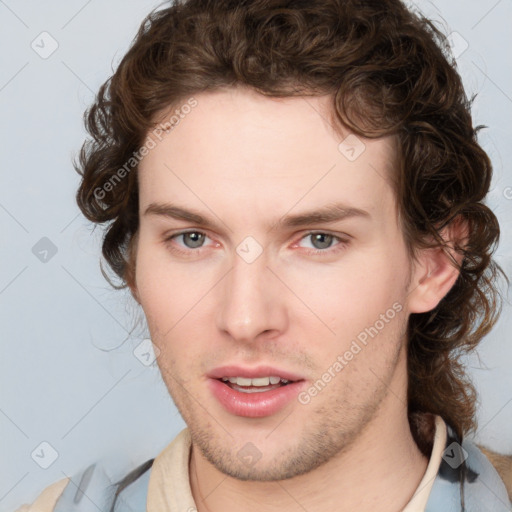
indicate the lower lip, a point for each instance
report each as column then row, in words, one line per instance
column 255, row 405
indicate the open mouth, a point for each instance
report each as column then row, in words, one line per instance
column 260, row 395
column 256, row 385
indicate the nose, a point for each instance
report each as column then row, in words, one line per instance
column 251, row 302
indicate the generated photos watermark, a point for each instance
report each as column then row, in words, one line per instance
column 344, row 359
column 153, row 138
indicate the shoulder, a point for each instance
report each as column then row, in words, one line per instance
column 485, row 485
column 503, row 466
column 95, row 486
column 46, row 501
column 467, row 477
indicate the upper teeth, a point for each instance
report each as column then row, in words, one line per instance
column 260, row 381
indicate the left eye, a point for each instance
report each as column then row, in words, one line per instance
column 321, row 241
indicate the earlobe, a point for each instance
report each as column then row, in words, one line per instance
column 135, row 295
column 130, row 271
column 131, row 283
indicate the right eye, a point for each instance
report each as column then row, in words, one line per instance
column 188, row 242
column 191, row 239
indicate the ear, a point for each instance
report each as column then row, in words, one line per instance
column 434, row 272
column 133, row 290
column 131, row 266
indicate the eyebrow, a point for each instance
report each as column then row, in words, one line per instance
column 328, row 214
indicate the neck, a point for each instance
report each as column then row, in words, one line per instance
column 380, row 471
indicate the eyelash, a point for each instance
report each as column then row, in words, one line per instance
column 341, row 245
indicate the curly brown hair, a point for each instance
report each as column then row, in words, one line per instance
column 389, row 71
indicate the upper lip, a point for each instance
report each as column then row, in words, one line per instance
column 252, row 373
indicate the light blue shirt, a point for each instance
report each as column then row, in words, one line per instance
column 465, row 475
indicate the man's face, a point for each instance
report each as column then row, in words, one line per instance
column 252, row 295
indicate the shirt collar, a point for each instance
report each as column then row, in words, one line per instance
column 169, row 484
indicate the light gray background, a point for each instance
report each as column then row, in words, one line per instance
column 63, row 381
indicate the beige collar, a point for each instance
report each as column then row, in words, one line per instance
column 419, row 500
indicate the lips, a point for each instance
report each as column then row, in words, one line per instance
column 254, row 401
column 253, row 373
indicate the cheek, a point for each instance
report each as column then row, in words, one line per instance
column 173, row 297
column 157, row 288
column 352, row 294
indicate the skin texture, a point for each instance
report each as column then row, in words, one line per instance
column 245, row 161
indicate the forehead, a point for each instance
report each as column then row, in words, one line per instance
column 239, row 150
